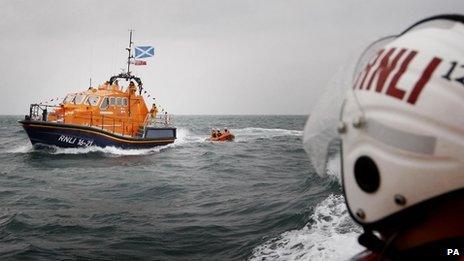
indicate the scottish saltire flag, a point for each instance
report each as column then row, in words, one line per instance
column 143, row 52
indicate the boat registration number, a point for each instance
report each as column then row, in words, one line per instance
column 75, row 141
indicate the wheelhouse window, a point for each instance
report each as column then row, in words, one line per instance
column 112, row 101
column 105, row 103
column 124, row 102
column 119, row 101
column 79, row 98
column 92, row 100
column 69, row 98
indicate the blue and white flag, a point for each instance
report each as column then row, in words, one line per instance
column 143, row 52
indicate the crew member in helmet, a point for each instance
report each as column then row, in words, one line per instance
column 401, row 127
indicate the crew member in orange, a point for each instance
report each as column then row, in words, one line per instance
column 132, row 89
column 166, row 118
column 106, row 85
column 154, row 110
column 115, row 85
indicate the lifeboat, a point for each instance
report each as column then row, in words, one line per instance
column 225, row 136
column 102, row 116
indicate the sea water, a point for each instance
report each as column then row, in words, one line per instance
column 256, row 198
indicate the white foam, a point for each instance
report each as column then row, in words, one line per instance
column 333, row 168
column 332, row 236
column 21, row 149
column 109, row 150
column 185, row 136
column 257, row 133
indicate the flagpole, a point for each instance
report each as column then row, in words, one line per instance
column 129, row 50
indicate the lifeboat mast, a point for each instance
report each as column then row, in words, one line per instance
column 127, row 75
column 129, row 50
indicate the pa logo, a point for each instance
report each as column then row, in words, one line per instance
column 452, row 252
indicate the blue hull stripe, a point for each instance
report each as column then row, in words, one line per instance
column 74, row 136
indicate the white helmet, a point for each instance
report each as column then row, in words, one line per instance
column 401, row 123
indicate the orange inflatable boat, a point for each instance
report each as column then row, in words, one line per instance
column 224, row 136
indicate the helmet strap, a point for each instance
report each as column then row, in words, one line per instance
column 369, row 240
column 387, row 246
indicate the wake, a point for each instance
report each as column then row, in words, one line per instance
column 252, row 133
column 330, row 236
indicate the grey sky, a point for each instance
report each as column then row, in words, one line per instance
column 213, row 56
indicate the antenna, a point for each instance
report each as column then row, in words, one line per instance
column 90, row 65
column 129, row 50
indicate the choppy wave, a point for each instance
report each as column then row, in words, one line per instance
column 212, row 200
column 263, row 133
column 330, row 235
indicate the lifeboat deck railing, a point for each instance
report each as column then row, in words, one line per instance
column 39, row 112
column 164, row 120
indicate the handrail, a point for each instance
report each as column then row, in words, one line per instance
column 160, row 119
